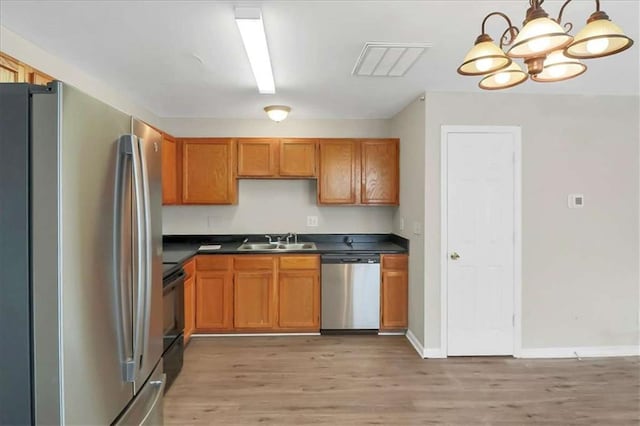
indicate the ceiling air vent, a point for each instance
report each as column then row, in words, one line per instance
column 379, row 59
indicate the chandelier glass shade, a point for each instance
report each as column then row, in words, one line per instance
column 549, row 52
column 505, row 78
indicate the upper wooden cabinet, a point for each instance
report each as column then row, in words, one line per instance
column 380, row 174
column 208, row 171
column 339, row 164
column 276, row 158
column 14, row 71
column 297, row 158
column 257, row 157
column 11, row 71
column 169, row 170
column 359, row 172
column 37, row 77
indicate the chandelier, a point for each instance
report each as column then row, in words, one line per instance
column 549, row 52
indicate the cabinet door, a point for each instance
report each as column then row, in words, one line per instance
column 257, row 157
column 299, row 300
column 37, row 77
column 189, row 308
column 297, row 157
column 208, row 171
column 11, row 71
column 338, row 172
column 253, row 299
column 394, row 300
column 380, row 172
column 214, row 300
column 169, row 170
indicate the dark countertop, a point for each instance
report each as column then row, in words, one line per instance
column 179, row 248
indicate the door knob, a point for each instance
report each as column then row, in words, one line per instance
column 455, row 256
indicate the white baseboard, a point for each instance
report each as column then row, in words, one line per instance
column 580, row 352
column 434, row 353
column 415, row 343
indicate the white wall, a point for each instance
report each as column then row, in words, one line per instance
column 276, row 206
column 410, row 125
column 580, row 267
column 27, row 52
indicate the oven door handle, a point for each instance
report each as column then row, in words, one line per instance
column 174, row 282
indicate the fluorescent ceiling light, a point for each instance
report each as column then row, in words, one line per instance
column 249, row 22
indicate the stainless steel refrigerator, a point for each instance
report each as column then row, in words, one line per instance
column 80, row 261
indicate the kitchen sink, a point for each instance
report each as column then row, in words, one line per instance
column 277, row 246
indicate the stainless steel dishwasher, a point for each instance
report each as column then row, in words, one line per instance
column 350, row 293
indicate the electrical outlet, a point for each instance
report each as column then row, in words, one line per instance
column 402, row 223
column 576, row 201
column 312, row 220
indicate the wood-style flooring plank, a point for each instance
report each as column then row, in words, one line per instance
column 380, row 380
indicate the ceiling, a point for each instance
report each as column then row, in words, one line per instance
column 186, row 59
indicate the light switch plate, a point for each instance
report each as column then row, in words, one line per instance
column 312, row 221
column 402, row 223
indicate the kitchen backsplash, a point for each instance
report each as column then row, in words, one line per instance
column 276, row 206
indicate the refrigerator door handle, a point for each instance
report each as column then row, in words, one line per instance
column 124, row 261
column 140, row 269
column 147, row 247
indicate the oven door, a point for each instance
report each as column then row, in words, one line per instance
column 173, row 307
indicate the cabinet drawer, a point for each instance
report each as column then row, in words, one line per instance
column 252, row 262
column 213, row 263
column 394, row 261
column 299, row 262
column 190, row 268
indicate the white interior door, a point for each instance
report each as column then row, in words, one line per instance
column 480, row 243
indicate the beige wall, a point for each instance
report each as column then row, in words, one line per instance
column 579, row 267
column 27, row 52
column 276, row 206
column 409, row 125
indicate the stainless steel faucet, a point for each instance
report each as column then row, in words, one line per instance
column 289, row 235
column 269, row 238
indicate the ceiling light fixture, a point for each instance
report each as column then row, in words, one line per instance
column 549, row 51
column 277, row 112
column 249, row 21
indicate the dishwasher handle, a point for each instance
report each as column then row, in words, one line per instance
column 350, row 259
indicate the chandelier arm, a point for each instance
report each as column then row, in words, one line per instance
column 566, row 3
column 508, row 36
column 511, row 29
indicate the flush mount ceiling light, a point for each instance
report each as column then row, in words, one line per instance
column 548, row 50
column 249, row 21
column 277, row 112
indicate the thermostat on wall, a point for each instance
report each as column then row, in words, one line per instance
column 576, row 201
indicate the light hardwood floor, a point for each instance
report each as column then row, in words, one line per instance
column 349, row 380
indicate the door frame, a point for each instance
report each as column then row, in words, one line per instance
column 516, row 132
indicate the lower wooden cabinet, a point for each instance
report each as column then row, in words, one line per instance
column 299, row 293
column 394, row 292
column 257, row 293
column 253, row 299
column 189, row 307
column 214, row 300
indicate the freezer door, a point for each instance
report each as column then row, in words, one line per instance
column 149, row 147
column 77, row 358
column 147, row 408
